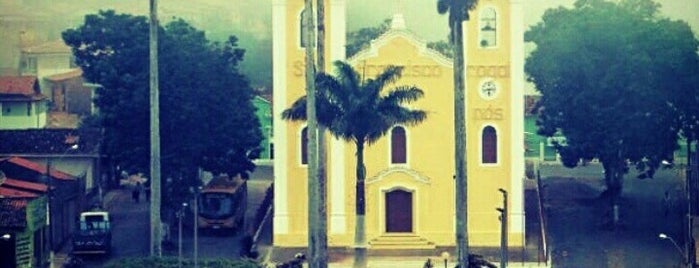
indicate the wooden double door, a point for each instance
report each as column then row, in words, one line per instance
column 399, row 211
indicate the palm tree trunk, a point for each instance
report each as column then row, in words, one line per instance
column 460, row 146
column 312, row 130
column 155, row 235
column 360, row 260
column 322, row 228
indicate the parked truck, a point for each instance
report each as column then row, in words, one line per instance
column 222, row 204
column 94, row 234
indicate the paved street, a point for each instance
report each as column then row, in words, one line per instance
column 131, row 226
column 227, row 245
column 576, row 215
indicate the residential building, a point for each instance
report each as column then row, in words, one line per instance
column 23, row 230
column 263, row 106
column 22, row 103
column 70, row 94
column 69, row 156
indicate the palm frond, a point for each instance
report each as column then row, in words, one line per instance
column 356, row 111
column 395, row 114
column 388, row 76
column 297, row 111
column 330, row 89
column 458, row 9
column 346, row 75
column 443, row 6
column 413, row 117
column 403, row 94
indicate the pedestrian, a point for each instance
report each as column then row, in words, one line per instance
column 136, row 192
column 428, row 264
column 147, row 188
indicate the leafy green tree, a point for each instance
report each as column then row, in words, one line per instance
column 610, row 74
column 207, row 118
column 444, row 47
column 458, row 13
column 175, row 262
column 361, row 39
column 360, row 111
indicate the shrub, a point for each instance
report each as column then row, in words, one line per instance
column 172, row 262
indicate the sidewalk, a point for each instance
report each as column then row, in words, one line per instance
column 408, row 262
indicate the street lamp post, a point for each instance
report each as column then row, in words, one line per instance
column 445, row 256
column 180, row 215
column 49, row 211
column 684, row 257
column 196, row 226
column 503, row 229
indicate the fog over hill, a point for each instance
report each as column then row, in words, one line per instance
column 251, row 20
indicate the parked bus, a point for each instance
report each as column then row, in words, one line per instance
column 222, row 204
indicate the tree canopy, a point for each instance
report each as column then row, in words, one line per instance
column 614, row 79
column 360, row 110
column 361, row 38
column 207, row 118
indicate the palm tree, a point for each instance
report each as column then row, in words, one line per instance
column 458, row 13
column 360, row 111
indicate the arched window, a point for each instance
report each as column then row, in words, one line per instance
column 398, row 146
column 304, row 146
column 489, row 150
column 302, row 29
column 488, row 27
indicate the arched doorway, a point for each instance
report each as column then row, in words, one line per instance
column 399, row 211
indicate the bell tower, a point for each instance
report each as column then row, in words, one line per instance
column 494, row 56
column 290, row 167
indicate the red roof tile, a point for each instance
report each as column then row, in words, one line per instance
column 57, row 46
column 19, row 85
column 24, row 185
column 40, row 168
column 14, row 193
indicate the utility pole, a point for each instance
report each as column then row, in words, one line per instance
column 155, row 228
column 50, row 205
column 322, row 228
column 312, row 136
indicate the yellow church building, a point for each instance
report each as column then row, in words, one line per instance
column 410, row 186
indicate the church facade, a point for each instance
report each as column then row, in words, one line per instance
column 409, row 184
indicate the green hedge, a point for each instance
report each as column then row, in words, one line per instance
column 172, row 262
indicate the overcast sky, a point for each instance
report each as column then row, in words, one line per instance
column 251, row 20
column 254, row 16
column 418, row 12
